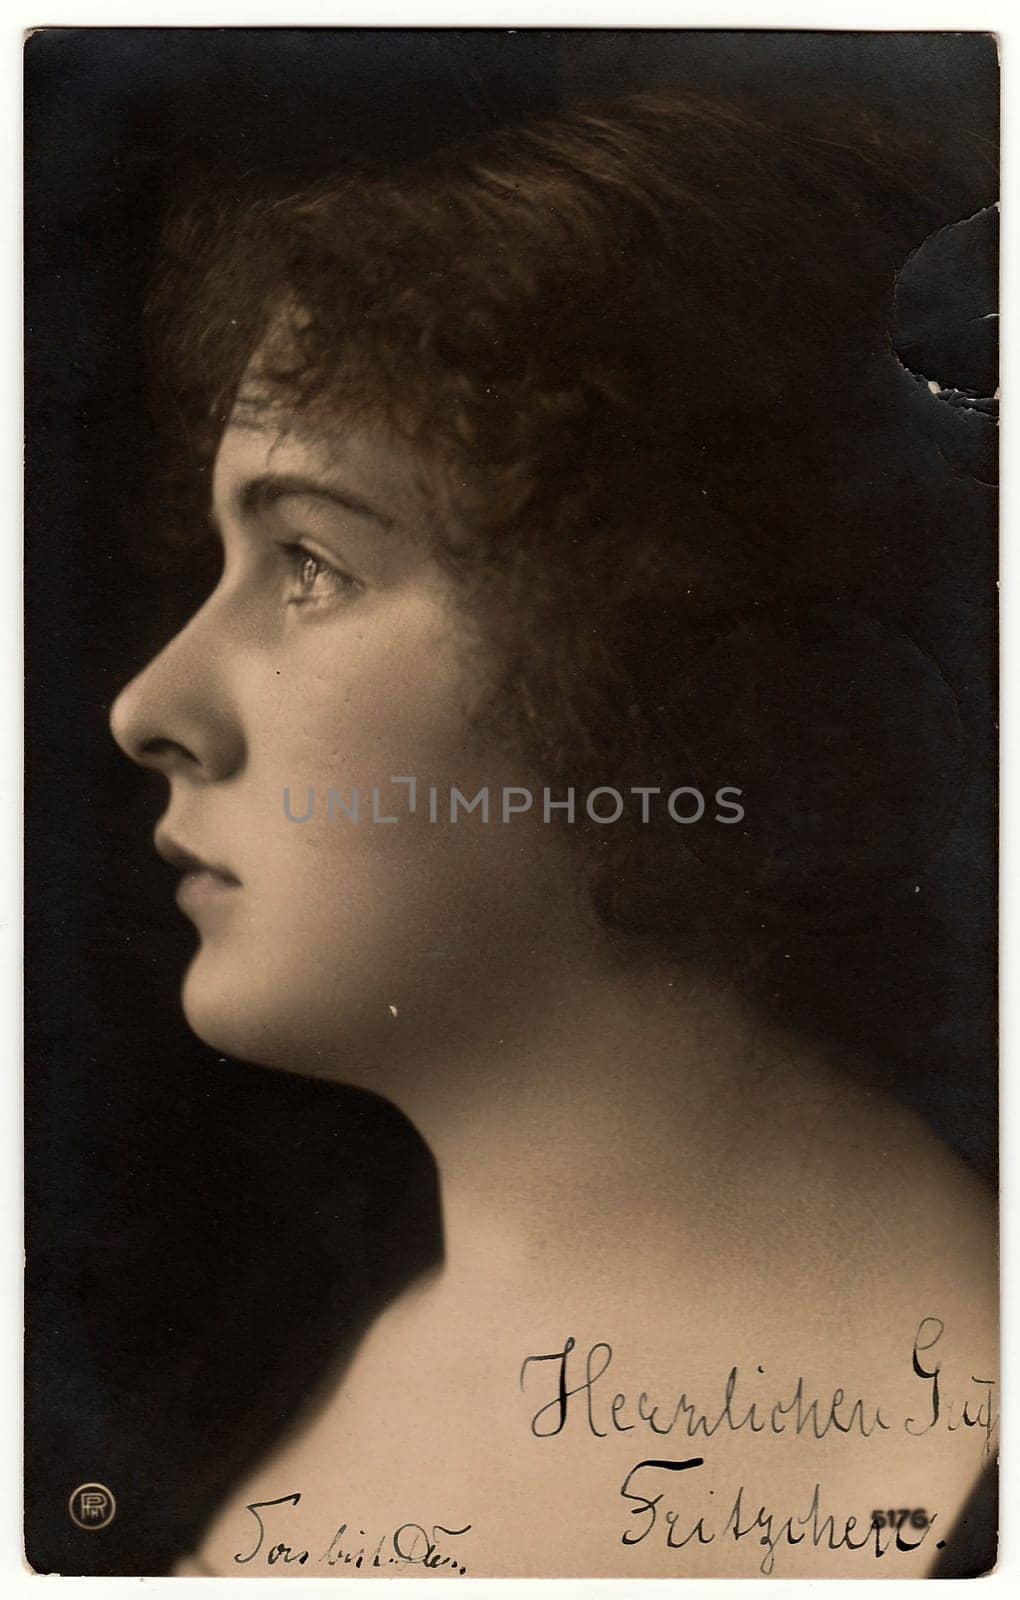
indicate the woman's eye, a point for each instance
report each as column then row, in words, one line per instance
column 313, row 580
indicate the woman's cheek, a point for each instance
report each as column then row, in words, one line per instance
column 393, row 695
column 359, row 895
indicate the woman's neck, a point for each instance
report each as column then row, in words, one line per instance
column 603, row 1110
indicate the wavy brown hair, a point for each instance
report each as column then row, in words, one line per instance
column 642, row 353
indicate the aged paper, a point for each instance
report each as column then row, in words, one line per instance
column 512, row 803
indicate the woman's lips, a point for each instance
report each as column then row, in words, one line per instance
column 202, row 883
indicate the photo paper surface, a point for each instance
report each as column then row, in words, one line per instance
column 511, row 1075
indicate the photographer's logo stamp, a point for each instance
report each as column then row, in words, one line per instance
column 92, row 1505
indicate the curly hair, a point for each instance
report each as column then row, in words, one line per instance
column 642, row 354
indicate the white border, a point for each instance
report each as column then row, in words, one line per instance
column 880, row 16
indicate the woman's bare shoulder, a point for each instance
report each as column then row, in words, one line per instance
column 832, row 1159
column 865, row 1244
column 823, row 1229
column 831, row 1335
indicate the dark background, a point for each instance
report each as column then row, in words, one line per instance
column 204, row 1237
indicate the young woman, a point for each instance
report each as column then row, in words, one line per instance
column 546, row 723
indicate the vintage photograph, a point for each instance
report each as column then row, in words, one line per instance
column 511, row 1083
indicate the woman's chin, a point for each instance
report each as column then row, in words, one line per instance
column 233, row 1020
column 269, row 1025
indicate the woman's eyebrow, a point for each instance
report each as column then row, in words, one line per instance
column 261, row 492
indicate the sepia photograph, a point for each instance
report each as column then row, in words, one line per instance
column 511, row 823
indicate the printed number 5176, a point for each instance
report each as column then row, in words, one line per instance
column 896, row 1519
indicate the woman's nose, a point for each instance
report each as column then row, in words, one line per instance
column 176, row 718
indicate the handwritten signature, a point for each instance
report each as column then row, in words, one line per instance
column 409, row 1545
column 765, row 1526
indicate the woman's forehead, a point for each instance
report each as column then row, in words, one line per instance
column 266, row 438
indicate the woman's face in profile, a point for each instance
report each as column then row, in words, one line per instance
column 332, row 655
